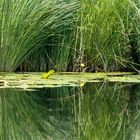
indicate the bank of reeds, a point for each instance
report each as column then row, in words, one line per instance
column 27, row 26
column 61, row 35
column 105, row 34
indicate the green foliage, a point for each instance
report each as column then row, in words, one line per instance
column 26, row 26
column 103, row 32
column 62, row 34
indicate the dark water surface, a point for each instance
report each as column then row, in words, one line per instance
column 97, row 111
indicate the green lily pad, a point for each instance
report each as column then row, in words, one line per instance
column 34, row 80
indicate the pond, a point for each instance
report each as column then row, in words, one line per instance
column 100, row 110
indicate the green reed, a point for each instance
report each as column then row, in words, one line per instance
column 61, row 35
column 26, row 26
column 103, row 34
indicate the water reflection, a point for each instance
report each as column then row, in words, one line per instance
column 97, row 111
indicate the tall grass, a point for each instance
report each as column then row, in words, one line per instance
column 136, row 31
column 26, row 26
column 62, row 34
column 104, row 37
column 103, row 34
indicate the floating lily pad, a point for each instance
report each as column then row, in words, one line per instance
column 34, row 80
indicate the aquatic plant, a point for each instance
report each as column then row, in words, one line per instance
column 103, row 34
column 62, row 34
column 26, row 26
column 102, row 37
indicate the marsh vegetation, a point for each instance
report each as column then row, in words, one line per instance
column 69, row 38
column 61, row 34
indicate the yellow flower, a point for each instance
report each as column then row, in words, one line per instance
column 82, row 84
column 82, row 64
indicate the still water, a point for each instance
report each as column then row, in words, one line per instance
column 96, row 111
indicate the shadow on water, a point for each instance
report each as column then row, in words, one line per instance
column 97, row 111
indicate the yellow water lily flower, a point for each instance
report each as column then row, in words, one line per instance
column 82, row 64
column 82, row 84
column 46, row 75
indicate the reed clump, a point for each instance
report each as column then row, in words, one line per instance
column 104, row 33
column 27, row 26
column 40, row 35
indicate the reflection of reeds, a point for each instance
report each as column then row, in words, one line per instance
column 104, row 113
column 19, row 116
column 33, row 115
column 99, row 111
column 134, row 113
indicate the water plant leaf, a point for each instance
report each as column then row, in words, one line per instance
column 35, row 80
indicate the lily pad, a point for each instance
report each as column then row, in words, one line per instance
column 34, row 80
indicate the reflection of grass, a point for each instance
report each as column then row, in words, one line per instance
column 134, row 113
column 27, row 116
column 22, row 117
column 104, row 113
column 99, row 111
column 19, row 116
